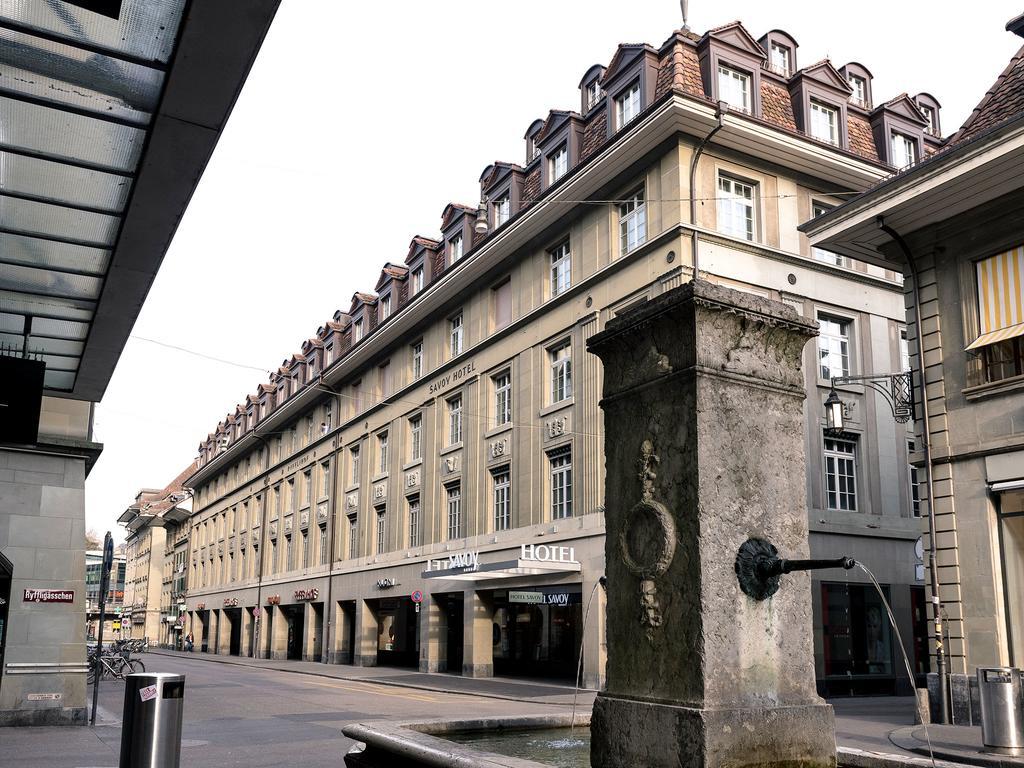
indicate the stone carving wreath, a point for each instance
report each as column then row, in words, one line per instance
column 647, row 541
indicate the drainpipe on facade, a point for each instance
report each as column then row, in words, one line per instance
column 719, row 115
column 940, row 652
column 257, row 615
column 332, row 522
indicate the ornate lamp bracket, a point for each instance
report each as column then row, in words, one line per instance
column 896, row 388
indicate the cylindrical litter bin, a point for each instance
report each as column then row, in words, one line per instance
column 1002, row 710
column 151, row 726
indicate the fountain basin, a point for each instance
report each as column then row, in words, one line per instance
column 411, row 744
column 430, row 743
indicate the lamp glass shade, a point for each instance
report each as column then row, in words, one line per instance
column 833, row 413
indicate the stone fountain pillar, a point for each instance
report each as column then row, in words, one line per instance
column 703, row 408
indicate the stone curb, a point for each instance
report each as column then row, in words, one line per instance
column 850, row 757
column 904, row 739
column 371, row 680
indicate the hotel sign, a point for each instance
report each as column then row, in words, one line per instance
column 543, row 553
column 452, row 378
column 466, row 561
column 33, row 595
column 307, row 594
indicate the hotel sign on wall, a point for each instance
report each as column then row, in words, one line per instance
column 33, row 595
column 441, row 384
column 467, row 561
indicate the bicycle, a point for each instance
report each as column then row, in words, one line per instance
column 112, row 665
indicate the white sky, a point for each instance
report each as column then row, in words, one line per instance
column 355, row 129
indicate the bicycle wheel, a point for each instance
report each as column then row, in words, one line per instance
column 136, row 666
column 91, row 677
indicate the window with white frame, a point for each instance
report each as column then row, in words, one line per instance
column 502, row 210
column 453, row 506
column 824, row 122
column 357, row 330
column 560, row 361
column 454, row 249
column 353, row 454
column 501, row 296
column 860, row 90
column 384, row 378
column 328, row 418
column 353, row 537
column 310, row 371
column 779, row 60
column 417, row 359
column 323, row 544
column 325, row 479
column 915, row 486
column 306, row 562
column 735, row 207
column 502, row 499
column 820, row 254
column 904, row 351
column 632, row 222
column 415, row 437
column 561, row 268
column 929, row 116
column 382, row 452
column 627, row 105
column 384, row 306
column 841, row 474
column 414, row 521
column 833, row 347
column 593, row 94
column 289, row 553
column 561, row 483
column 558, row 163
column 502, row 398
column 454, row 419
column 328, row 356
column 455, row 335
column 904, row 150
column 734, row 88
column 307, row 487
column 381, row 531
column 417, row 281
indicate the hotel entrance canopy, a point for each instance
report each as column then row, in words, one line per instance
column 109, row 112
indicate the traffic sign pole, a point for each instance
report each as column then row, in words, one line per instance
column 108, row 561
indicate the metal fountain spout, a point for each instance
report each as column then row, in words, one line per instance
column 758, row 567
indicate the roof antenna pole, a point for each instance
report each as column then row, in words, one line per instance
column 684, row 6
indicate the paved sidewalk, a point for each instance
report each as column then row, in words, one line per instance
column 512, row 689
column 960, row 743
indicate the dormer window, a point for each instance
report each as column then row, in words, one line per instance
column 417, row 281
column 929, row 115
column 627, row 105
column 860, row 90
column 780, row 59
column 904, row 150
column 734, row 88
column 532, row 150
column 558, row 163
column 385, row 307
column 455, row 249
column 328, row 354
column 295, row 383
column 357, row 330
column 502, row 210
column 263, row 409
column 593, row 94
column 311, row 368
column 824, row 122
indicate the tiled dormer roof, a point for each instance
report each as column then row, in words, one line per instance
column 452, row 211
column 624, row 54
column 492, row 172
column 903, row 105
column 1005, row 99
column 391, row 272
column 824, row 71
column 419, row 242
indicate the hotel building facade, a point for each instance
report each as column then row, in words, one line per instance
column 422, row 483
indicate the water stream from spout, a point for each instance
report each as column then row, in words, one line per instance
column 579, row 666
column 903, row 651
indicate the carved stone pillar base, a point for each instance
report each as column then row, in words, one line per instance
column 626, row 733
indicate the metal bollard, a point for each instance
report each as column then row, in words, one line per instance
column 1002, row 710
column 151, row 725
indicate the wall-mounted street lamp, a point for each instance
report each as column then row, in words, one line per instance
column 896, row 388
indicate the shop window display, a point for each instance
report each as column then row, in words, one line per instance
column 857, row 640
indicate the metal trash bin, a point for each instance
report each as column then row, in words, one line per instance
column 151, row 726
column 1002, row 710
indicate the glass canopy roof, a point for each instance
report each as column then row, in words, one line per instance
column 78, row 91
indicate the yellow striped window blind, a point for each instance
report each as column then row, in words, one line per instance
column 1000, row 297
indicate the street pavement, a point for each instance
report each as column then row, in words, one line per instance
column 241, row 712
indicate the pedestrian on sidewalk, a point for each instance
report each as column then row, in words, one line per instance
column 188, row 642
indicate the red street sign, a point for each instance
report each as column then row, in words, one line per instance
column 49, row 596
column 417, row 596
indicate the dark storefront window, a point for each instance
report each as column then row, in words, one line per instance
column 398, row 642
column 537, row 631
column 919, row 613
column 857, row 641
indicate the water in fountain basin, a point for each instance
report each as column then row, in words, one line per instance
column 550, row 746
